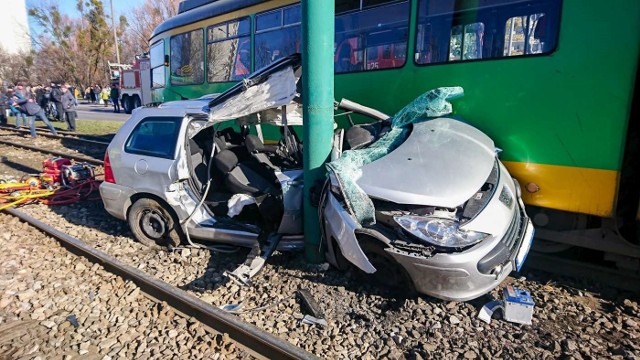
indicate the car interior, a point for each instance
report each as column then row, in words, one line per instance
column 243, row 164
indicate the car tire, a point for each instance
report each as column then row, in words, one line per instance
column 389, row 273
column 153, row 225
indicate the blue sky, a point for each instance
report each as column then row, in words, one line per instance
column 69, row 7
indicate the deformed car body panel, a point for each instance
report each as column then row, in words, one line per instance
column 446, row 275
column 342, row 226
column 449, row 162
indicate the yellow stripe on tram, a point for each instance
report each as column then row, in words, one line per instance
column 581, row 190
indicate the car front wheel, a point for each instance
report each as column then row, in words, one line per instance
column 153, row 225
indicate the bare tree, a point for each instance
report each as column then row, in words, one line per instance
column 73, row 49
column 16, row 68
column 141, row 23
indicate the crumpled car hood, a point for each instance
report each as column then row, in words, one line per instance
column 443, row 163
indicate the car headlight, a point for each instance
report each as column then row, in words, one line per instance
column 438, row 231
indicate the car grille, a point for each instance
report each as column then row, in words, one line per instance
column 515, row 232
column 507, row 249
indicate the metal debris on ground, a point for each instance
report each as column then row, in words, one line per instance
column 309, row 303
column 308, row 319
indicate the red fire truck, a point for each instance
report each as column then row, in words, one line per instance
column 135, row 82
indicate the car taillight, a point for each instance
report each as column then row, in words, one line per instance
column 108, row 172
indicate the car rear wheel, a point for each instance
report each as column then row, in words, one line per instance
column 153, row 225
column 389, row 272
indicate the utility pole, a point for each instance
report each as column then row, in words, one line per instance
column 317, row 71
column 115, row 33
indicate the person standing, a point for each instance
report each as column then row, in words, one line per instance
column 4, row 107
column 68, row 103
column 115, row 98
column 56, row 98
column 104, row 95
column 96, row 90
column 92, row 95
column 34, row 110
column 13, row 106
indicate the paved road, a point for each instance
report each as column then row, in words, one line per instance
column 99, row 112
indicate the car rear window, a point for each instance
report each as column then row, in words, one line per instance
column 154, row 136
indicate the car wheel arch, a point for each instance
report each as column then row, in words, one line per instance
column 174, row 216
column 374, row 241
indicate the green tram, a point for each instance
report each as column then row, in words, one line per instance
column 551, row 81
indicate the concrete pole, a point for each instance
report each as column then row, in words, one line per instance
column 318, row 17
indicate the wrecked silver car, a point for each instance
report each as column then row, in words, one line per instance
column 419, row 199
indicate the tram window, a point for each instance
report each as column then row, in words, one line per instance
column 156, row 60
column 157, row 77
column 292, row 15
column 187, row 65
column 343, row 6
column 460, row 30
column 520, row 36
column 229, row 51
column 466, row 42
column 273, row 41
column 270, row 20
column 377, row 34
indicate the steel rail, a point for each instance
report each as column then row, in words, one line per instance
column 47, row 134
column 54, row 152
column 264, row 344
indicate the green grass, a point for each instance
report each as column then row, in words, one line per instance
column 91, row 127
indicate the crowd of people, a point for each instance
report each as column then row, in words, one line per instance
column 57, row 101
column 28, row 103
column 104, row 95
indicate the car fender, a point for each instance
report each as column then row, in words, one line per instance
column 342, row 226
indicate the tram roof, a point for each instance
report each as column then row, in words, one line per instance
column 190, row 11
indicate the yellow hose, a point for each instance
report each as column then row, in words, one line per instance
column 20, row 197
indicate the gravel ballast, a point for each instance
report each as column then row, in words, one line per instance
column 571, row 319
column 56, row 305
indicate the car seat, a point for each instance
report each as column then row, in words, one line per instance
column 240, row 178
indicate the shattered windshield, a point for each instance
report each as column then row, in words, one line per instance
column 348, row 168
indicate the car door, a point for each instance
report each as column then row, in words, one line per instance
column 150, row 152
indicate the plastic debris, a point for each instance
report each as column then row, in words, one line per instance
column 488, row 309
column 73, row 320
column 308, row 319
column 231, row 308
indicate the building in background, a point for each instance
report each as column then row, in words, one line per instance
column 15, row 36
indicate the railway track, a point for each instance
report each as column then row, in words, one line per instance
column 88, row 139
column 54, row 152
column 256, row 341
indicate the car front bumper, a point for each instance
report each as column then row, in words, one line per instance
column 458, row 276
